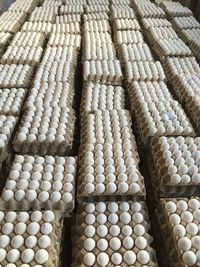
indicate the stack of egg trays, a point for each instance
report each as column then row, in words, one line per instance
column 82, row 232
column 171, row 235
column 162, row 181
column 23, row 6
column 56, row 236
column 147, row 9
column 175, row 9
column 26, row 202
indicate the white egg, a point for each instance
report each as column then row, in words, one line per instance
column 89, row 231
column 143, row 256
column 170, row 207
column 27, row 255
column 33, row 228
column 115, row 243
column 174, row 219
column 13, row 255
column 46, row 229
column 184, row 243
column 31, row 241
column 139, row 230
column 102, row 259
column 102, row 244
column 189, row 258
column 194, row 204
column 1, row 215
column 90, row 219
column 182, row 205
column 187, row 216
column 36, row 216
column 127, row 230
column 101, row 218
column 17, row 241
column 196, row 242
column 125, row 217
column 7, row 228
column 192, row 229
column 129, row 257
column 101, row 207
column 128, row 242
column 7, row 195
column 2, row 254
column 41, row 256
column 48, row 216
column 116, row 258
column 102, row 230
column 22, row 216
column 89, row 188
column 4, row 241
column 141, row 242
column 113, row 218
column 89, row 259
column 179, row 230
column 114, row 230
column 89, row 244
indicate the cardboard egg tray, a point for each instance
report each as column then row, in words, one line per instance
column 60, row 144
column 122, row 12
column 37, row 26
column 47, row 14
column 80, row 236
column 97, row 39
column 181, row 23
column 163, row 180
column 126, row 24
column 95, row 16
column 155, row 22
column 104, row 52
column 71, row 9
column 121, row 2
column 22, row 55
column 150, row 10
column 48, row 186
column 128, row 37
column 134, row 52
column 51, row 3
column 56, row 237
column 23, row 6
column 195, row 47
column 144, row 71
column 51, row 94
column 96, row 26
column 71, row 28
column 139, row 94
column 68, row 18
column 15, row 75
column 18, row 16
column 11, row 26
column 190, row 34
column 103, row 70
column 62, row 39
column 12, row 101
column 74, row 2
column 175, row 9
column 97, row 96
column 157, row 33
column 28, row 39
column 96, row 8
column 4, row 38
column 175, row 254
column 99, row 2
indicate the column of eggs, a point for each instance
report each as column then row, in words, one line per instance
column 30, row 239
column 113, row 234
column 99, row 55
column 179, row 222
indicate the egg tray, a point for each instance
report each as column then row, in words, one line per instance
column 62, row 39
column 28, row 39
column 134, row 52
column 70, row 28
column 22, row 55
column 126, row 24
column 95, row 16
column 79, row 237
column 44, row 14
column 59, row 147
column 155, row 22
column 10, row 26
column 69, row 18
column 38, row 26
column 150, row 10
column 98, row 2
column 94, row 95
column 23, row 6
column 74, row 2
column 12, row 101
column 170, row 241
column 54, row 249
column 18, row 16
column 181, row 23
column 144, row 71
column 97, row 38
column 40, row 202
column 122, row 12
column 128, row 37
column 190, row 34
column 71, row 9
column 96, row 26
column 108, row 71
column 4, row 38
column 175, row 9
column 51, row 94
column 97, row 9
column 195, row 47
column 51, row 3
column 92, row 52
column 157, row 33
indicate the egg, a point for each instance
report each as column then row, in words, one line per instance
column 192, row 229
column 125, row 217
column 13, row 255
column 187, row 216
column 102, row 259
column 27, row 255
column 31, row 241
column 114, row 230
column 7, row 228
column 139, row 230
column 182, row 205
column 48, row 216
column 33, row 228
column 129, row 257
column 41, row 256
column 2, row 254
column 143, row 256
column 101, row 218
column 189, row 258
column 89, row 244
column 22, row 216
column 116, row 258
column 36, row 216
column 102, row 230
column 89, row 259
column 17, row 241
column 179, row 230
column 184, row 243
column 46, row 228
column 170, row 207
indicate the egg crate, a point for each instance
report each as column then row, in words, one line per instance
column 40, row 183
column 156, row 112
column 26, row 6
column 60, row 54
column 98, row 2
column 22, row 55
column 97, row 39
column 155, row 22
column 128, row 37
column 97, row 96
column 20, row 246
column 11, row 26
column 144, row 71
column 103, row 70
column 177, row 66
column 97, row 8
column 180, row 23
column 120, row 241
column 170, row 47
column 14, row 75
column 68, row 18
column 17, row 16
column 7, row 128
column 51, row 3
column 74, row 2
column 104, row 51
column 95, row 16
column 96, row 26
column 28, row 39
column 126, row 24
column 72, row 9
column 4, row 38
column 44, row 14
column 70, row 28
column 150, row 10
column 12, row 101
column 175, row 9
column 50, row 94
column 55, row 71
column 48, row 132
column 121, row 2
column 190, row 34
column 37, row 26
column 122, row 12
column 63, row 39
column 182, row 241
column 134, row 52
column 157, row 33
